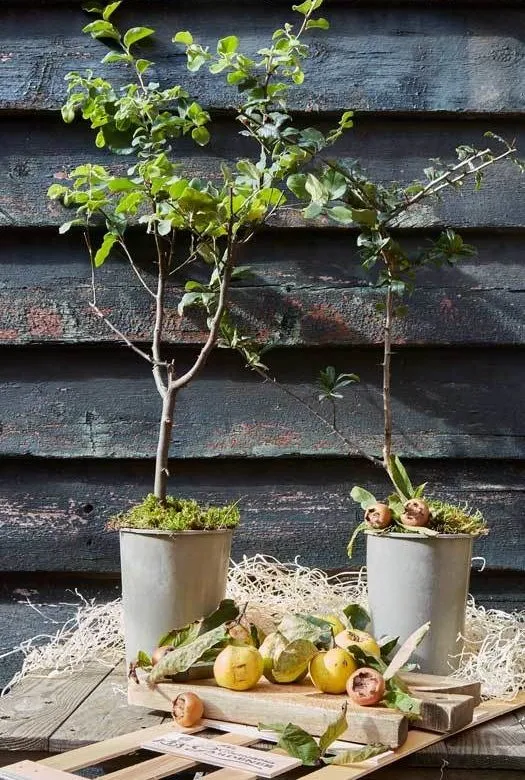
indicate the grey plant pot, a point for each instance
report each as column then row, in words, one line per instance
column 168, row 580
column 414, row 579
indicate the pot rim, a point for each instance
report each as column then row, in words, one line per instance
column 421, row 537
column 165, row 532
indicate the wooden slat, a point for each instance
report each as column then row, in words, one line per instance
column 411, row 59
column 29, row 716
column 97, row 404
column 416, row 740
column 127, row 743
column 283, row 505
column 103, row 715
column 395, row 150
column 307, row 288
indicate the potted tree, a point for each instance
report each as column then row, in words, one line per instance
column 196, row 231
column 419, row 548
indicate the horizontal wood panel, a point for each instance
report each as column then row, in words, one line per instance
column 101, row 403
column 394, row 150
column 373, row 59
column 307, row 288
column 52, row 515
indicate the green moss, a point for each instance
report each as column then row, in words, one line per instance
column 177, row 514
column 451, row 519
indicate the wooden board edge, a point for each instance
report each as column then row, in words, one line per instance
column 417, row 740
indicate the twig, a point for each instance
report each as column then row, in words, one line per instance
column 121, row 335
column 135, row 269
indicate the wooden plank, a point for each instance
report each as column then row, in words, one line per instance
column 39, row 706
column 314, row 293
column 394, row 150
column 409, row 59
column 498, row 743
column 103, row 715
column 417, row 740
column 299, row 704
column 312, row 317
column 435, row 683
column 444, row 712
column 118, row 746
column 283, row 507
column 99, row 404
column 30, row 770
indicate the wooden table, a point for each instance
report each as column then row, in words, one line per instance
column 51, row 715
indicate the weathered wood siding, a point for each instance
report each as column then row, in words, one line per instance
column 78, row 413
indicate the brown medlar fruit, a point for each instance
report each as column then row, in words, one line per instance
column 187, row 709
column 416, row 514
column 378, row 516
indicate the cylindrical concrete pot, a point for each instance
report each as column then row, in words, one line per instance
column 413, row 579
column 168, row 580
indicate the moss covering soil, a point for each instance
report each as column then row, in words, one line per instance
column 176, row 514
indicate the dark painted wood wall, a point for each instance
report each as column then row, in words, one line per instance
column 78, row 413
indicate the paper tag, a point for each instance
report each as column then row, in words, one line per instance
column 208, row 751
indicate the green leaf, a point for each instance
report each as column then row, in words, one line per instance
column 293, row 660
column 349, row 757
column 121, row 185
column 362, row 497
column 400, row 479
column 104, row 249
column 68, row 225
column 314, row 188
column 322, row 23
column 296, row 183
column 309, row 6
column 225, row 613
column 200, row 135
column 228, row 45
column 333, row 732
column 365, row 217
column 396, row 698
column 164, row 227
column 110, row 9
column 387, row 645
column 184, row 36
column 101, row 29
column 305, row 627
column 357, row 530
column 181, row 636
column 56, row 191
column 113, row 56
column 357, row 616
column 129, row 203
column 68, row 113
column 341, row 214
column 180, row 659
column 312, row 211
column 406, row 650
column 143, row 660
column 143, row 65
column 295, row 741
column 135, row 34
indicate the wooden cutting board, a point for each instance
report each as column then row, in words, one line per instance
column 308, row 708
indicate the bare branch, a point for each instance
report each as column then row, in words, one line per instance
column 161, row 385
column 135, row 269
column 215, row 324
column 121, row 335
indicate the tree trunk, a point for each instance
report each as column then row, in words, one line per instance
column 163, row 446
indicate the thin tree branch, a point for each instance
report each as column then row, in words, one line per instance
column 215, row 324
column 162, row 386
column 121, row 335
column 135, row 269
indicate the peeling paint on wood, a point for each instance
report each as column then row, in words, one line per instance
column 288, row 507
column 101, row 403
